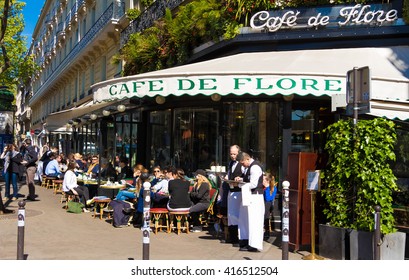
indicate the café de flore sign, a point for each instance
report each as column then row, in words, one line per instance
column 138, row 86
column 326, row 17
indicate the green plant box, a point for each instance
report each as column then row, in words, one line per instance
column 333, row 242
column 392, row 247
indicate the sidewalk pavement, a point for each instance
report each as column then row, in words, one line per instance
column 51, row 233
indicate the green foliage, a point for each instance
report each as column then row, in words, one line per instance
column 171, row 40
column 21, row 66
column 147, row 3
column 406, row 11
column 193, row 24
column 132, row 14
column 358, row 176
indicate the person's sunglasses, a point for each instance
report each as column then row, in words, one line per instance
column 156, row 171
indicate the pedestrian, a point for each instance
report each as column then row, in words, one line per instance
column 30, row 161
column 270, row 191
column 12, row 170
column 252, row 207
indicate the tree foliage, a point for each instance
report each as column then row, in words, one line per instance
column 358, row 176
column 15, row 66
column 193, row 24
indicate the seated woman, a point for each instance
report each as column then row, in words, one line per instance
column 200, row 198
column 160, row 188
column 131, row 191
column 179, row 199
column 70, row 186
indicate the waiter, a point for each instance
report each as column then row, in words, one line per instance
column 233, row 196
column 252, row 208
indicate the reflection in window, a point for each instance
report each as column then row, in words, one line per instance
column 161, row 127
column 302, row 131
column 255, row 127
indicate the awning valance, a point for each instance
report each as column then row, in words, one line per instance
column 303, row 72
column 390, row 109
column 59, row 119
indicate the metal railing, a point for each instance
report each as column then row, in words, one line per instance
column 148, row 17
column 113, row 12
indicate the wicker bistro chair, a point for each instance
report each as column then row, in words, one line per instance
column 208, row 216
column 68, row 196
column 182, row 220
column 100, row 204
column 57, row 186
column 160, row 219
column 44, row 181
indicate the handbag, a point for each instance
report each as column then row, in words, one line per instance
column 74, row 207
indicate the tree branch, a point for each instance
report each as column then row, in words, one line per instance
column 3, row 30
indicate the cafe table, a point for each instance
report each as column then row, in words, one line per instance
column 91, row 184
column 111, row 189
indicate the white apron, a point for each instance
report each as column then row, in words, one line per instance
column 233, row 208
column 251, row 223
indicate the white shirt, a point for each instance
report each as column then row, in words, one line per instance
column 70, row 181
column 255, row 173
column 161, row 186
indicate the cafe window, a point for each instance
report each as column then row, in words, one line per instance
column 255, row 127
column 125, row 139
column 302, row 131
column 160, row 122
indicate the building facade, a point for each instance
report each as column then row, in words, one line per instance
column 73, row 43
column 271, row 90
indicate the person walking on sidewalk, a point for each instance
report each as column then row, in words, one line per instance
column 30, row 161
column 12, row 170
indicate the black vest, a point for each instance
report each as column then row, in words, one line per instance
column 235, row 173
column 246, row 178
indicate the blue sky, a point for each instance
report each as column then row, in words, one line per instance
column 31, row 12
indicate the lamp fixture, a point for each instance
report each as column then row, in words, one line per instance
column 106, row 113
column 288, row 98
column 216, row 97
column 93, row 117
column 121, row 108
column 160, row 99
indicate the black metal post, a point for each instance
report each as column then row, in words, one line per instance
column 355, row 122
column 377, row 237
column 146, row 220
column 286, row 218
column 99, row 136
column 20, row 230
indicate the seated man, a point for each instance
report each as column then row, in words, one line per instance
column 53, row 167
column 93, row 168
column 126, row 170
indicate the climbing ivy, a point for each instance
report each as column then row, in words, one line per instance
column 358, row 175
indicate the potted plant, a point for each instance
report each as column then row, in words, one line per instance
column 357, row 178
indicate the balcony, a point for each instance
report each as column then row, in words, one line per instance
column 111, row 16
column 61, row 32
column 148, row 17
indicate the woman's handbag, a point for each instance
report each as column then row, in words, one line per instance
column 74, row 207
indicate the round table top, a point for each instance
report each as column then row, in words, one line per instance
column 113, row 186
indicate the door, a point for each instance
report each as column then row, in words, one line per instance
column 196, row 138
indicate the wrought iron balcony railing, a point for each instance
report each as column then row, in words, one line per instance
column 113, row 13
column 148, row 17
